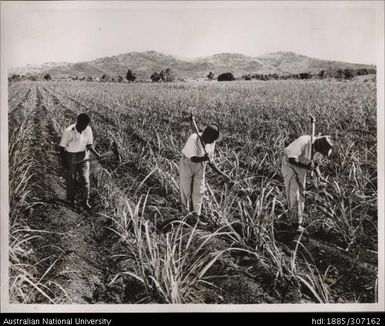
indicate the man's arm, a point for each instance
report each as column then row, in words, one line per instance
column 300, row 165
column 319, row 175
column 199, row 159
column 92, row 150
column 90, row 141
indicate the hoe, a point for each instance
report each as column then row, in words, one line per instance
column 113, row 153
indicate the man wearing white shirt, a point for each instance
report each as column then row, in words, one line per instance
column 295, row 163
column 76, row 141
column 192, row 168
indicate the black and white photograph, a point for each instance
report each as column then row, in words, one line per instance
column 191, row 156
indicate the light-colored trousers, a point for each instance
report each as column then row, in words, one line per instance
column 295, row 181
column 82, row 171
column 192, row 184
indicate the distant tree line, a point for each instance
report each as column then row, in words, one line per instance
column 167, row 75
column 338, row 74
column 16, row 78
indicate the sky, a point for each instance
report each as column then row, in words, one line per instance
column 74, row 31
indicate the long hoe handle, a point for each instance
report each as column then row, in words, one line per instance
column 312, row 119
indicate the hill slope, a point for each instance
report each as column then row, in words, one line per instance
column 143, row 64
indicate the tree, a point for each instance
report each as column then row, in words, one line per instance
column 14, row 78
column 361, row 72
column 227, row 76
column 130, row 76
column 340, row 73
column 210, row 76
column 304, row 75
column 47, row 77
column 162, row 75
column 348, row 73
column 321, row 74
column 168, row 75
column 120, row 79
column 155, row 77
column 105, row 78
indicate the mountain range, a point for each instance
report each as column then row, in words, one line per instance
column 144, row 64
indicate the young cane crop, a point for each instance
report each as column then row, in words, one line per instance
column 150, row 123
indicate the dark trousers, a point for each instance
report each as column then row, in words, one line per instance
column 80, row 171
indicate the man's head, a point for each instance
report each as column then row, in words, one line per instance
column 82, row 121
column 324, row 145
column 210, row 134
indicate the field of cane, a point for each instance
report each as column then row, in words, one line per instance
column 118, row 253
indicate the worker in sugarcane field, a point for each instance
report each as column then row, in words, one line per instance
column 298, row 159
column 192, row 167
column 75, row 145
